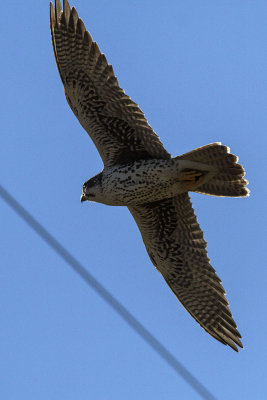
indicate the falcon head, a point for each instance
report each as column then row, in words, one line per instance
column 92, row 188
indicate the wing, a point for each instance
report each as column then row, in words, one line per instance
column 175, row 244
column 114, row 122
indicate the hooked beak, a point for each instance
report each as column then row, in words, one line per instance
column 83, row 198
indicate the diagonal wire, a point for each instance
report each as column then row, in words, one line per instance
column 107, row 296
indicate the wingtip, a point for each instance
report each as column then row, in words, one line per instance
column 80, row 28
column 52, row 14
column 233, row 346
column 73, row 19
column 58, row 11
column 58, row 6
column 66, row 10
column 75, row 13
column 228, row 338
column 66, row 6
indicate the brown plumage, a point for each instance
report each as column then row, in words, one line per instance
column 140, row 174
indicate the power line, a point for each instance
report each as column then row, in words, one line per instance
column 107, row 296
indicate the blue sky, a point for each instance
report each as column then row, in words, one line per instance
column 198, row 71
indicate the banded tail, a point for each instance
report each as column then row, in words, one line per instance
column 229, row 181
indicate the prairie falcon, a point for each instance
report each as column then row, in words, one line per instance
column 140, row 174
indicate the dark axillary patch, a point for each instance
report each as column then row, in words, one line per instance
column 179, row 273
column 92, row 107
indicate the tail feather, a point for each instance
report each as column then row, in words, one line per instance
column 229, row 180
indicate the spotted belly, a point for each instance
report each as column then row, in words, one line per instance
column 140, row 182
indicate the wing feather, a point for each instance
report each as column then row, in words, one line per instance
column 176, row 246
column 114, row 122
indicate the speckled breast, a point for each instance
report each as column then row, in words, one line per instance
column 139, row 182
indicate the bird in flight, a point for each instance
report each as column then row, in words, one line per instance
column 140, row 174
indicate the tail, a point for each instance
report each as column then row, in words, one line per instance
column 229, row 180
